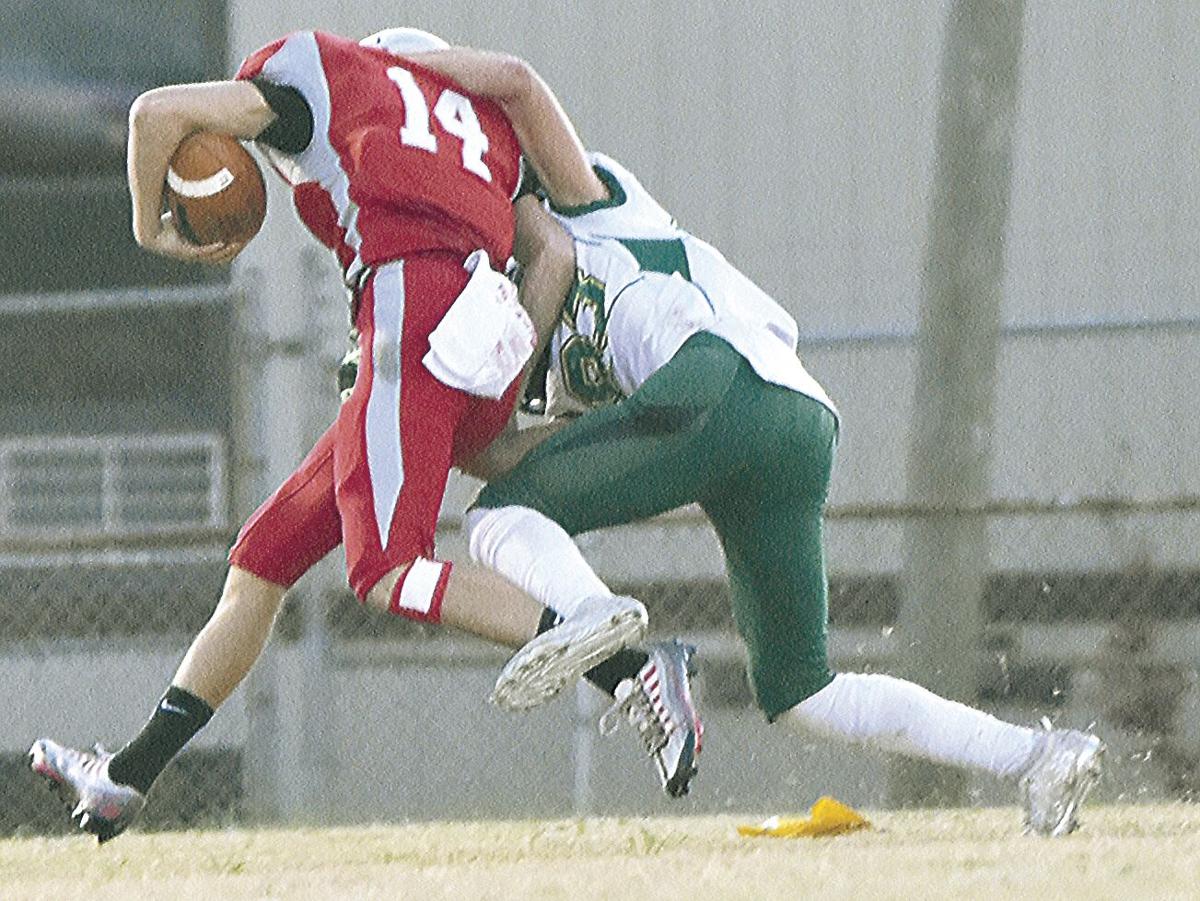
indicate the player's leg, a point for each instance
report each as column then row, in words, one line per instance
column 615, row 465
column 770, row 526
column 650, row 686
column 767, row 511
column 618, row 464
column 398, row 436
column 293, row 529
column 630, row 461
column 772, row 535
column 219, row 658
column 232, row 640
column 1054, row 769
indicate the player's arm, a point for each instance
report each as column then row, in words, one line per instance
column 502, row 455
column 158, row 121
column 546, row 134
column 546, row 254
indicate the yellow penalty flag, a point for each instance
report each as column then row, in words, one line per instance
column 827, row 817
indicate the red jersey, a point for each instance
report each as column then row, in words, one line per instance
column 402, row 161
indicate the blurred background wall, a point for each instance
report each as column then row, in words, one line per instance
column 151, row 406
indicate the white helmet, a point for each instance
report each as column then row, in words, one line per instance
column 404, row 40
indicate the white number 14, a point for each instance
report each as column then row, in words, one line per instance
column 453, row 112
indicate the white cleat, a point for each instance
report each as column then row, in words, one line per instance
column 98, row 805
column 1066, row 767
column 658, row 703
column 540, row 670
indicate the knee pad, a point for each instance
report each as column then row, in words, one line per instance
column 505, row 539
column 419, row 591
column 487, row 528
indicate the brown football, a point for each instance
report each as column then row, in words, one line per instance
column 215, row 190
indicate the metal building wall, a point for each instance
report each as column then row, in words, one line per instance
column 798, row 138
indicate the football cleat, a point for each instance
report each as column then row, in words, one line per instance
column 1064, row 769
column 98, row 805
column 658, row 702
column 540, row 670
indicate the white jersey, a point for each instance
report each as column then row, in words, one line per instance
column 643, row 287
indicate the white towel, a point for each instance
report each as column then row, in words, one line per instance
column 486, row 336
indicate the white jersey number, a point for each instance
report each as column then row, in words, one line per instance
column 453, row 112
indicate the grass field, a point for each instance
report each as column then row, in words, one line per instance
column 1148, row 851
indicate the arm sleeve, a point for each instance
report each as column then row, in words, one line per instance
column 292, row 130
column 529, row 183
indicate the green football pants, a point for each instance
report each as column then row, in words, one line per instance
column 756, row 457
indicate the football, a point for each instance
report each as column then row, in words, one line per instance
column 215, row 190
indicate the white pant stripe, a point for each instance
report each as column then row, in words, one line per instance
column 385, row 460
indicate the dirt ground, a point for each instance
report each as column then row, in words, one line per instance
column 1150, row 851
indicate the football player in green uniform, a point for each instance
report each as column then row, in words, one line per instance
column 692, row 392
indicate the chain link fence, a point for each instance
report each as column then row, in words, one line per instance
column 115, row 451
column 113, row 549
column 78, row 626
column 87, row 632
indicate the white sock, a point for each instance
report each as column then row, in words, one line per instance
column 902, row 717
column 534, row 552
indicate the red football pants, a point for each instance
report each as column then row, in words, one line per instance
column 375, row 480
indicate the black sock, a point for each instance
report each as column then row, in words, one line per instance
column 178, row 716
column 625, row 664
column 549, row 620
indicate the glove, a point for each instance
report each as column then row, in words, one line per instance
column 347, row 373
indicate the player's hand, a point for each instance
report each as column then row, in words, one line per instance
column 169, row 242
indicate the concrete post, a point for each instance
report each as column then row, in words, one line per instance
column 946, row 555
column 314, row 748
column 277, row 403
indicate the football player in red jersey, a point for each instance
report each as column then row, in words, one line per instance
column 409, row 179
